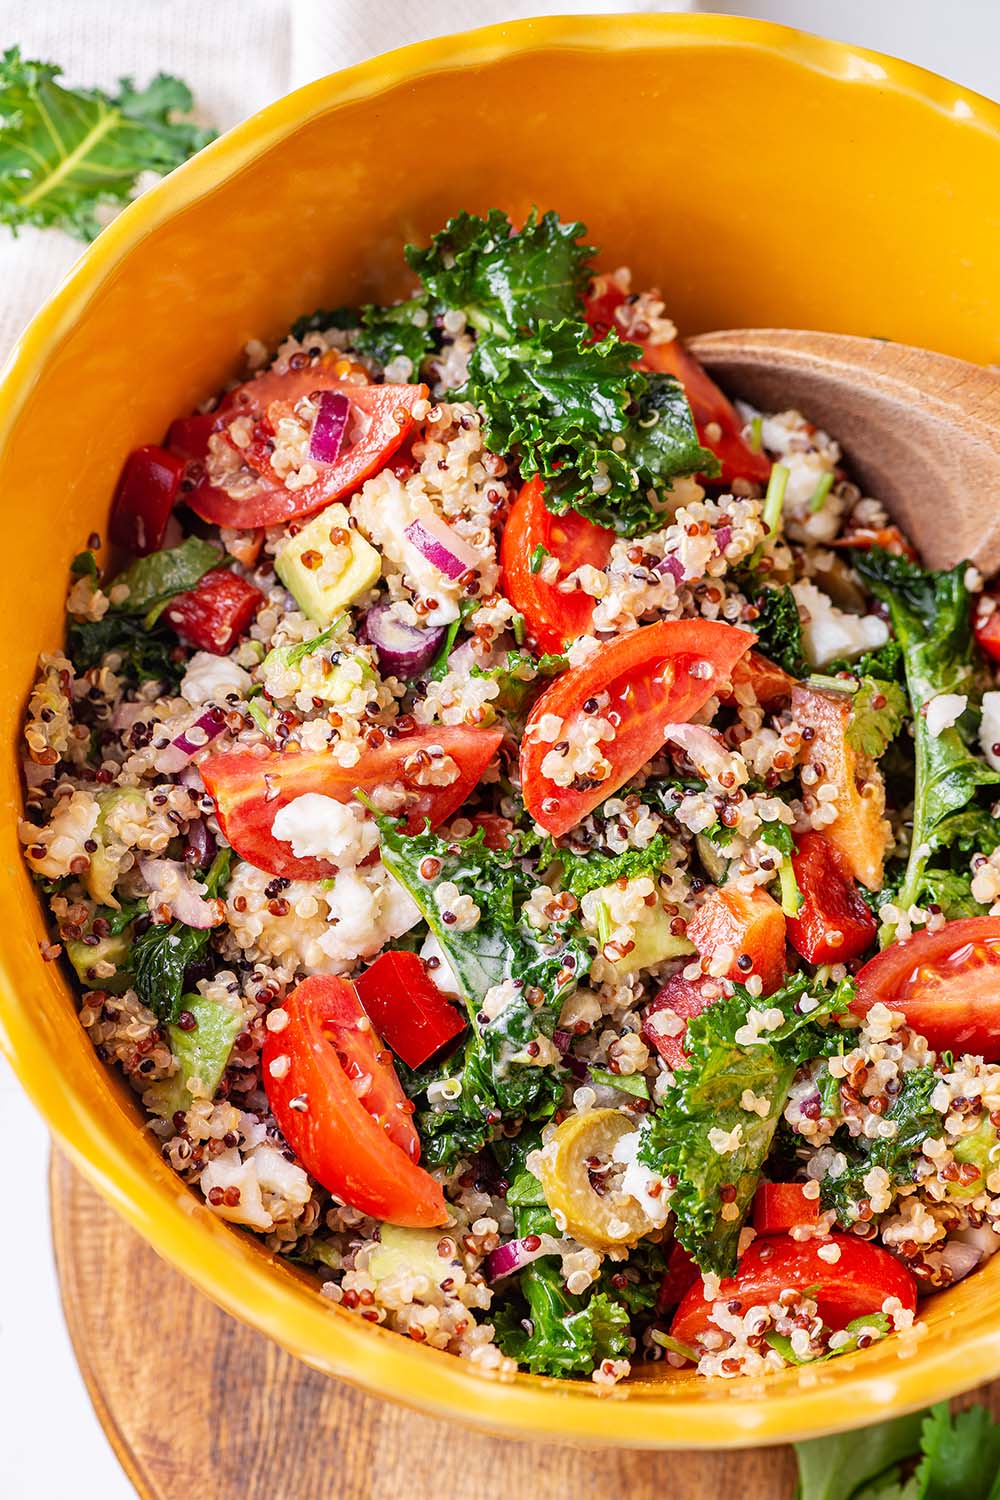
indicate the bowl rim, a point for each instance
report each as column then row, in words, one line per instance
column 379, row 1361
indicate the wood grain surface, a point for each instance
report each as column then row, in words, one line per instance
column 196, row 1405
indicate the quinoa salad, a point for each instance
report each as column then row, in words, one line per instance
column 523, row 826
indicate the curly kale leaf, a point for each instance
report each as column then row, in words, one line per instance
column 915, row 1118
column 506, row 280
column 779, row 629
column 146, row 655
column 601, row 433
column 931, row 619
column 541, row 1325
column 162, row 955
column 588, row 872
column 520, row 677
column 724, row 1067
column 65, row 153
column 498, row 1075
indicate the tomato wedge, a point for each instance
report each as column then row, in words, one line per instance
column 781, row 1206
column 834, row 923
column 855, row 1284
column 338, row 1103
column 381, row 420
column 946, row 983
column 554, row 619
column 753, row 926
column 719, row 426
column 405, row 1005
column 986, row 624
column 680, row 1275
column 249, row 789
column 678, row 997
column 653, row 677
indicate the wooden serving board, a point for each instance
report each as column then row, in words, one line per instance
column 193, row 1403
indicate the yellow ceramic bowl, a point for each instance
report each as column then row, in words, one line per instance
column 761, row 177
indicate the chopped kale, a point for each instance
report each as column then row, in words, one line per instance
column 915, row 1118
column 146, row 655
column 162, row 955
column 779, row 629
column 685, row 1137
column 878, row 711
column 587, row 872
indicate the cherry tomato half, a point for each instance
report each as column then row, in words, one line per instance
column 946, row 983
column 986, row 623
column 381, row 420
column 848, row 1288
column 554, row 618
column 653, row 677
column 335, row 1095
column 249, row 789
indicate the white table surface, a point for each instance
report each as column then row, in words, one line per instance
column 51, row 1446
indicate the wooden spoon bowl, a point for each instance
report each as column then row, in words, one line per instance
column 921, row 431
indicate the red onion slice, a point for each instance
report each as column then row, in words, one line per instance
column 441, row 546
column 960, row 1258
column 172, row 886
column 187, row 744
column 403, row 650
column 516, row 1254
column 329, row 427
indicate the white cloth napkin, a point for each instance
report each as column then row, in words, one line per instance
column 235, row 55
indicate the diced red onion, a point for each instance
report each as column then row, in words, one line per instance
column 723, row 536
column 199, row 846
column 181, row 748
column 441, row 546
column 673, row 566
column 403, row 650
column 960, row 1258
column 578, row 1066
column 327, row 437
column 172, row 886
column 561, row 1040
column 981, row 1237
column 516, row 1254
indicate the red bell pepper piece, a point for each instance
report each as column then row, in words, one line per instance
column 834, row 923
column 986, row 623
column 216, row 612
column 406, row 1007
column 144, row 499
column 752, row 925
column 781, row 1206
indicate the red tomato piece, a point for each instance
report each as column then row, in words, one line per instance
column 680, row 1275
column 381, row 420
column 654, row 676
column 406, row 1007
column 752, row 926
column 781, row 1206
column 986, row 624
column 216, row 612
column 678, row 997
column 149, row 484
column 335, row 1095
column 946, row 983
column 834, row 923
column 554, row 618
column 848, row 1288
column 249, row 789
column 718, row 423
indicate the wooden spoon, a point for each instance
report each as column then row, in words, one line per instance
column 920, row 431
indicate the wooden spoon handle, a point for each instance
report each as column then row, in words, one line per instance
column 921, row 430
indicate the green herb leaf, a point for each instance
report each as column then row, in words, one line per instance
column 834, row 1468
column 65, row 152
column 155, row 579
column 438, row 668
column 520, row 676
column 961, row 1455
column 145, row 655
column 708, row 1096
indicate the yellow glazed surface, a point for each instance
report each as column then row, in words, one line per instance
column 762, row 178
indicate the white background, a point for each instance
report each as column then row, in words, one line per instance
column 237, row 54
